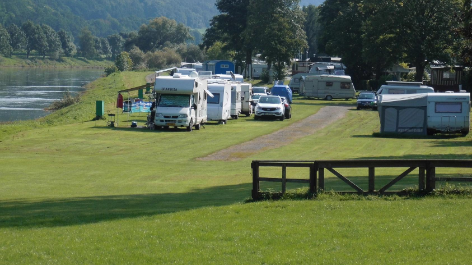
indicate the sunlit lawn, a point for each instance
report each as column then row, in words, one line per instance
column 85, row 193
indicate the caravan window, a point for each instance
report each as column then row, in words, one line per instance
column 448, row 107
column 345, row 85
column 174, row 101
column 329, row 83
column 215, row 99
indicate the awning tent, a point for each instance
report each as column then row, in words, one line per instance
column 404, row 114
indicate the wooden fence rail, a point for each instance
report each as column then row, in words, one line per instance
column 426, row 173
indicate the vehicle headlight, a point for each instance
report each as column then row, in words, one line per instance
column 183, row 116
column 258, row 107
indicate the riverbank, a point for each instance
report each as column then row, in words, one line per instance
column 63, row 62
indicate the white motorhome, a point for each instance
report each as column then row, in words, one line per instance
column 229, row 76
column 328, row 87
column 246, row 99
column 425, row 113
column 235, row 100
column 185, row 71
column 396, row 87
column 219, row 107
column 181, row 101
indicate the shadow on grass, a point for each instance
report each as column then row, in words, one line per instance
column 86, row 210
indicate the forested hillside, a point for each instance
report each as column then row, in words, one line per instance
column 105, row 17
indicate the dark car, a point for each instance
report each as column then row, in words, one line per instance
column 367, row 100
column 288, row 108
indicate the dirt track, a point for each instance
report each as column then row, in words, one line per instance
column 307, row 126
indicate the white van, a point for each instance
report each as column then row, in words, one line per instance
column 396, row 87
column 448, row 112
column 246, row 99
column 219, row 107
column 328, row 87
column 181, row 101
column 235, row 100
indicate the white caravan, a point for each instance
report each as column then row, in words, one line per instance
column 185, row 71
column 448, row 112
column 396, row 87
column 229, row 76
column 235, row 100
column 328, row 87
column 424, row 113
column 246, row 99
column 219, row 107
column 181, row 101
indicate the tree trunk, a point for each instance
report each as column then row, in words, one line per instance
column 419, row 72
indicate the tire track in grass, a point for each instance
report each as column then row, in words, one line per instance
column 324, row 117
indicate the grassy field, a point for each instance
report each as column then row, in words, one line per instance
column 74, row 191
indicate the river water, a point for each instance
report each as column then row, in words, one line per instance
column 25, row 92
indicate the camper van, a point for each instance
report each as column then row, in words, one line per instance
column 181, row 101
column 219, row 107
column 396, row 87
column 246, row 99
column 328, row 87
column 235, row 100
column 425, row 113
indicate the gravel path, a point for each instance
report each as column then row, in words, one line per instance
column 284, row 136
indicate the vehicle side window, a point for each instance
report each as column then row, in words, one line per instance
column 448, row 107
column 329, row 83
column 345, row 85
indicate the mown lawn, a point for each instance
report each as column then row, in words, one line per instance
column 73, row 191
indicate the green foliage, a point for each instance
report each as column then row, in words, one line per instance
column 123, row 62
column 66, row 101
column 67, row 43
column 138, row 58
column 312, row 28
column 265, row 76
column 159, row 31
column 111, row 69
column 217, row 52
column 5, row 47
column 87, row 44
column 17, row 38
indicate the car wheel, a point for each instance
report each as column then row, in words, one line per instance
column 358, row 108
column 190, row 126
column 282, row 118
column 256, row 117
column 329, row 97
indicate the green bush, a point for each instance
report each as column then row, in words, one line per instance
column 110, row 70
column 66, row 100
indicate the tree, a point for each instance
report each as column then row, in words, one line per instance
column 159, row 31
column 138, row 58
column 5, row 47
column 426, row 31
column 464, row 46
column 54, row 43
column 105, row 45
column 116, row 44
column 17, row 38
column 190, row 53
column 227, row 30
column 278, row 25
column 312, row 28
column 35, row 38
column 67, row 43
column 123, row 62
column 87, row 43
column 217, row 52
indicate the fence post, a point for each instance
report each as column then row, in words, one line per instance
column 371, row 179
column 284, row 178
column 321, row 178
column 313, row 171
column 255, row 180
column 421, row 184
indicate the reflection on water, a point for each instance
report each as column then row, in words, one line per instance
column 25, row 92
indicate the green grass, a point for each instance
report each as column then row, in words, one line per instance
column 38, row 61
column 73, row 191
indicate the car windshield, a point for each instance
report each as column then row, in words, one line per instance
column 269, row 100
column 173, row 100
column 258, row 90
column 366, row 96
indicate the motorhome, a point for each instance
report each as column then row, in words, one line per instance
column 246, row 99
column 328, row 87
column 235, row 100
column 184, row 71
column 181, row 101
column 425, row 113
column 396, row 87
column 229, row 76
column 219, row 107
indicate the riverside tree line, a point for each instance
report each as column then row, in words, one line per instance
column 369, row 35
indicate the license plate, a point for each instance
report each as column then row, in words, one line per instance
column 170, row 124
column 267, row 113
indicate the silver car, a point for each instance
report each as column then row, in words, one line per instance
column 270, row 106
